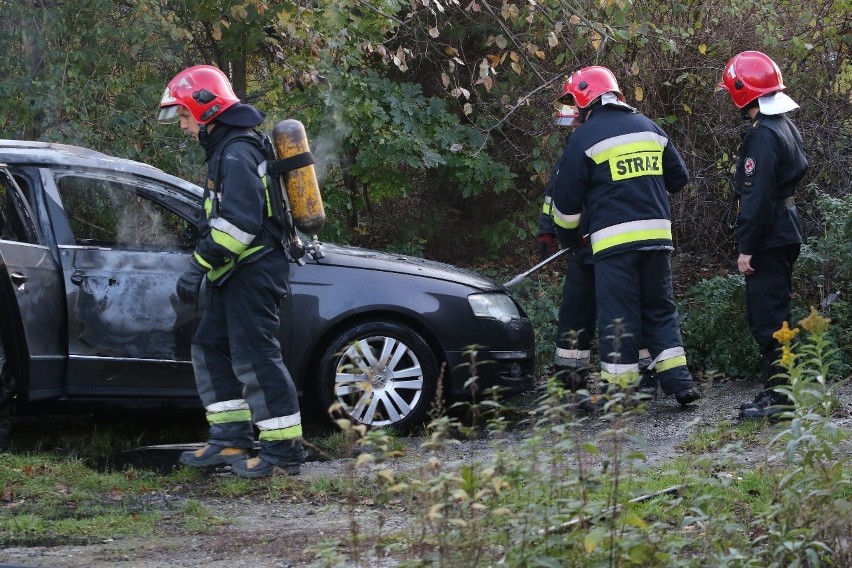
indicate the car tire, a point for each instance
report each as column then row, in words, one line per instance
column 380, row 374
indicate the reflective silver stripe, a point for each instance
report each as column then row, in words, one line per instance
column 227, row 405
column 567, row 221
column 669, row 353
column 214, row 196
column 620, row 369
column 261, row 169
column 573, row 353
column 547, row 200
column 631, row 226
column 232, row 231
column 623, row 139
column 280, row 422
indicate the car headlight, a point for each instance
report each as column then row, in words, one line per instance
column 496, row 305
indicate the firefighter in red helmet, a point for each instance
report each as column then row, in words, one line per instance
column 615, row 173
column 239, row 272
column 770, row 165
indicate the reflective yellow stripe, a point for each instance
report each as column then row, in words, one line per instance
column 201, row 261
column 564, row 220
column 623, row 380
column 227, row 241
column 631, row 155
column 214, row 275
column 290, row 433
column 630, row 148
column 667, row 364
column 208, row 207
column 631, row 232
column 229, row 416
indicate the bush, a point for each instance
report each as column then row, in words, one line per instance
column 715, row 332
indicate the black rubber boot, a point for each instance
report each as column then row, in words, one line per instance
column 687, row 396
column 765, row 405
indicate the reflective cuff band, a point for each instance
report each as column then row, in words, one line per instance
column 232, row 231
column 236, row 410
column 280, row 422
column 236, row 404
column 229, row 416
column 575, row 358
column 290, row 433
column 622, row 375
column 669, row 359
column 201, row 261
column 564, row 220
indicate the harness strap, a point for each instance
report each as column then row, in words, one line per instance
column 280, row 167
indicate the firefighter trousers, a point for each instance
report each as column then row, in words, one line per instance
column 768, row 293
column 576, row 326
column 239, row 370
column 636, row 305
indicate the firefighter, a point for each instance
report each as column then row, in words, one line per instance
column 236, row 356
column 616, row 170
column 577, row 311
column 771, row 163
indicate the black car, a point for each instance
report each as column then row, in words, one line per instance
column 91, row 247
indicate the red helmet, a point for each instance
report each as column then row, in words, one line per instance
column 203, row 90
column 749, row 75
column 587, row 84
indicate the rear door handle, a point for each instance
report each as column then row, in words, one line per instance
column 19, row 279
column 77, row 279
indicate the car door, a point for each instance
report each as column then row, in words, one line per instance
column 31, row 296
column 128, row 334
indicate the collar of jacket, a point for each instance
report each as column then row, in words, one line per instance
column 209, row 142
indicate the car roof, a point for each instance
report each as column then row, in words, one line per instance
column 52, row 153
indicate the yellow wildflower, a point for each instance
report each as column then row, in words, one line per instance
column 785, row 335
column 815, row 323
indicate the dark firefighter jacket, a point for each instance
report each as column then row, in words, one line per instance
column 236, row 202
column 770, row 164
column 617, row 169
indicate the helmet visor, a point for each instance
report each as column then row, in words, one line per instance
column 168, row 115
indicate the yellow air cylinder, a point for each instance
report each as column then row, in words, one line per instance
column 301, row 184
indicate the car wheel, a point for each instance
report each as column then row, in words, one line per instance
column 382, row 374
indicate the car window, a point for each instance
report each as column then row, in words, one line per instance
column 15, row 222
column 112, row 213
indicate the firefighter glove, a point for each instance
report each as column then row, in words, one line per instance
column 546, row 245
column 189, row 283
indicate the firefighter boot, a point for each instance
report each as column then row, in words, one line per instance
column 211, row 454
column 280, row 457
column 687, row 396
column 258, row 467
column 767, row 404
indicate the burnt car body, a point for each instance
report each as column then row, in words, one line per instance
column 91, row 247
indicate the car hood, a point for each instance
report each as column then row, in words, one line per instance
column 365, row 259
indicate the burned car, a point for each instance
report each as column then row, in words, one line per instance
column 91, row 247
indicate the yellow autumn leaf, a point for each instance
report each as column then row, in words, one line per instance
column 596, row 40
column 687, row 108
column 702, row 49
column 639, row 94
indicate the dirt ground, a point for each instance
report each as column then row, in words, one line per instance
column 276, row 533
